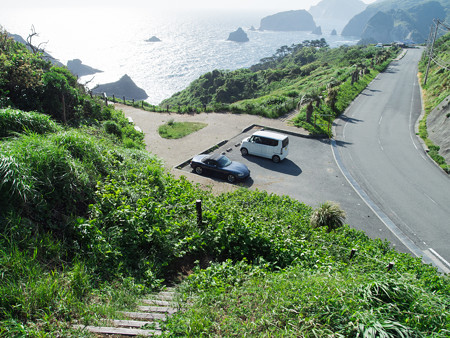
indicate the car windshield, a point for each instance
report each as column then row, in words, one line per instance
column 224, row 161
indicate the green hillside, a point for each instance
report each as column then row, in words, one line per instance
column 309, row 76
column 89, row 222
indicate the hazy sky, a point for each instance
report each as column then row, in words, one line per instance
column 172, row 4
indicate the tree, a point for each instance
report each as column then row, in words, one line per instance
column 59, row 92
column 332, row 93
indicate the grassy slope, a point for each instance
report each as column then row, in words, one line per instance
column 278, row 84
column 89, row 222
column 435, row 91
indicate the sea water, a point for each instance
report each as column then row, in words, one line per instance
column 114, row 41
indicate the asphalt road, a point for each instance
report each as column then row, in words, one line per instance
column 309, row 174
column 378, row 148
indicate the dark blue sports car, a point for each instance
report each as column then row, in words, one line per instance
column 220, row 165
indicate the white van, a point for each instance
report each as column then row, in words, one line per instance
column 266, row 144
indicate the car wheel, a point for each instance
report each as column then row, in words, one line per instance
column 276, row 158
column 199, row 170
column 244, row 151
column 231, row 178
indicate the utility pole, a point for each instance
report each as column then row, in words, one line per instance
column 431, row 51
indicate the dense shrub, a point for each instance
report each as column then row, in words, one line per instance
column 14, row 122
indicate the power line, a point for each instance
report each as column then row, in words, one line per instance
column 432, row 40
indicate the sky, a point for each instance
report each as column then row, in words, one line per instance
column 178, row 4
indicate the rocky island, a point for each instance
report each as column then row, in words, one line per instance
column 124, row 87
column 299, row 20
column 153, row 39
column 77, row 68
column 238, row 36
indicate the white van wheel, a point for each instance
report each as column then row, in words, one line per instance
column 244, row 151
column 276, row 158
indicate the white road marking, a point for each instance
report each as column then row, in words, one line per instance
column 432, row 200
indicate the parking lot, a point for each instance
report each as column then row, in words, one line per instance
column 309, row 173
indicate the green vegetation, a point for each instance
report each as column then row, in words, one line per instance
column 320, row 81
column 328, row 214
column 175, row 130
column 435, row 91
column 89, row 222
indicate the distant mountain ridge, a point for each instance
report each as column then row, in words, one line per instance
column 336, row 13
column 397, row 20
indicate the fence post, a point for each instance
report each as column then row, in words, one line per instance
column 352, row 254
column 124, row 100
column 114, row 99
column 133, row 102
column 198, row 206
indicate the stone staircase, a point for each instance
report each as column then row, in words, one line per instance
column 144, row 322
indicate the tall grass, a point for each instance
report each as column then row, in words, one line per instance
column 16, row 122
column 339, row 301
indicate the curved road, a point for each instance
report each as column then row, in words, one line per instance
column 378, row 151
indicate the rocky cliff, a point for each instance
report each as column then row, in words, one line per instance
column 336, row 13
column 397, row 20
column 438, row 126
column 299, row 20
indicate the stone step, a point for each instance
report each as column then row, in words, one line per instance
column 158, row 309
column 118, row 331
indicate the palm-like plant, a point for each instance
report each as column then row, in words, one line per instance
column 309, row 99
column 328, row 214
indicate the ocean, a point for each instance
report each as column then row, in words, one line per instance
column 114, row 41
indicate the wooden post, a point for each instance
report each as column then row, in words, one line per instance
column 390, row 266
column 352, row 254
column 114, row 99
column 133, row 102
column 124, row 100
column 198, row 206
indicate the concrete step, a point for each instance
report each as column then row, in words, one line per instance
column 106, row 330
column 157, row 309
column 144, row 315
column 156, row 302
column 133, row 323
